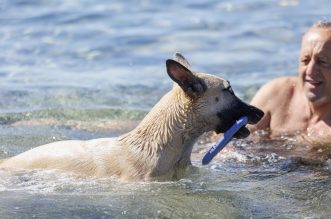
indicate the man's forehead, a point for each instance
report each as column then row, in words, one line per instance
column 317, row 34
column 319, row 39
column 312, row 36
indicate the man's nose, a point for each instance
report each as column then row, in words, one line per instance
column 312, row 68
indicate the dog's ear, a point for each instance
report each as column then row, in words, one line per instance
column 181, row 59
column 191, row 84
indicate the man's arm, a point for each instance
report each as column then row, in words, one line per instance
column 260, row 100
column 270, row 97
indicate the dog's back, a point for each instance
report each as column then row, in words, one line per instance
column 161, row 145
column 75, row 156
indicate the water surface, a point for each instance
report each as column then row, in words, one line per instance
column 89, row 69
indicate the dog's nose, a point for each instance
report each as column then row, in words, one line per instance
column 254, row 114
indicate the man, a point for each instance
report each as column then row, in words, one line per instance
column 303, row 103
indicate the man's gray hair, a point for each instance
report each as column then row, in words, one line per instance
column 325, row 24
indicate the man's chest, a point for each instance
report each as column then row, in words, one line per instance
column 299, row 123
column 289, row 121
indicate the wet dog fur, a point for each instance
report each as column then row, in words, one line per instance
column 160, row 146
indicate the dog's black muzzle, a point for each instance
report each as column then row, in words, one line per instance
column 234, row 108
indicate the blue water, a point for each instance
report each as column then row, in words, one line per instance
column 73, row 69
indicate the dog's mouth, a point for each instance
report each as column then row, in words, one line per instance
column 254, row 116
column 243, row 132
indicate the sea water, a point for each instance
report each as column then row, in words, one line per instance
column 73, row 69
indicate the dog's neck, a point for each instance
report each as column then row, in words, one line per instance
column 170, row 129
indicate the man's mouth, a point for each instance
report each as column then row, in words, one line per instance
column 313, row 83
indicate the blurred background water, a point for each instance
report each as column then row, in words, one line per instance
column 73, row 69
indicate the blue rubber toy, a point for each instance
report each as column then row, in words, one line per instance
column 224, row 140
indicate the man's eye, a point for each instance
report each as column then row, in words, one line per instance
column 305, row 60
column 322, row 62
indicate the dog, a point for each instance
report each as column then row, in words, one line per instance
column 161, row 145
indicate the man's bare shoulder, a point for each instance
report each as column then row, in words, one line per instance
column 279, row 89
column 279, row 86
column 273, row 97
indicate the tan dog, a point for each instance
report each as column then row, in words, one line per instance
column 161, row 144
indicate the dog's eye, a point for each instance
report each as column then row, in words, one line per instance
column 231, row 91
column 216, row 99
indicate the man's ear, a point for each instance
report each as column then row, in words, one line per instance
column 191, row 84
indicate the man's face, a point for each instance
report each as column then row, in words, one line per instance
column 315, row 65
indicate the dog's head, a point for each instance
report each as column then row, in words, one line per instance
column 213, row 100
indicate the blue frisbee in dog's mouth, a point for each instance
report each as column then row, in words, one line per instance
column 224, row 140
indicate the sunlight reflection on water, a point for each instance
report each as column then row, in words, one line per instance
column 89, row 69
